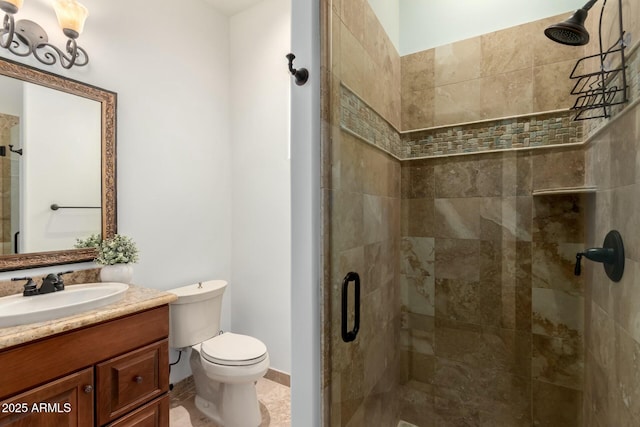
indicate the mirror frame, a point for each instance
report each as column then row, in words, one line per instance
column 108, row 101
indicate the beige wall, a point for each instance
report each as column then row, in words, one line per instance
column 506, row 73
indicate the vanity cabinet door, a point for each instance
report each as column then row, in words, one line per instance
column 128, row 381
column 67, row 401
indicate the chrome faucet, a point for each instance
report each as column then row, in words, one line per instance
column 51, row 283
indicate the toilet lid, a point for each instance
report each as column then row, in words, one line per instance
column 234, row 350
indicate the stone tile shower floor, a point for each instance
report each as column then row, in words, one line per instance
column 274, row 398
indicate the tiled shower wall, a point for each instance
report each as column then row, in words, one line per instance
column 361, row 222
column 612, row 383
column 480, row 269
column 500, row 74
column 363, row 57
column 612, row 356
column 365, row 235
column 492, row 330
column 6, row 123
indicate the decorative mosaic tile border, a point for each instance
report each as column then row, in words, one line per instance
column 531, row 131
column 361, row 120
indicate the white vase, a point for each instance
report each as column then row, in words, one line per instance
column 122, row 273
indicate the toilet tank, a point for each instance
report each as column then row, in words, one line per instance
column 195, row 316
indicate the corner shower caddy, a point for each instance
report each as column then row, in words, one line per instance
column 600, row 90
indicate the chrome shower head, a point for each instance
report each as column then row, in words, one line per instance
column 572, row 31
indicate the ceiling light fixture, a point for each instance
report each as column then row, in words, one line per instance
column 25, row 37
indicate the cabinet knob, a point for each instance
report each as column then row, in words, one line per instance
column 88, row 389
column 138, row 379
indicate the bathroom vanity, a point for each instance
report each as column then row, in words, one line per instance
column 108, row 367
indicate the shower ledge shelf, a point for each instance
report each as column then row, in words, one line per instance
column 564, row 190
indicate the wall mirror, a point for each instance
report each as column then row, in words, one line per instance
column 57, row 166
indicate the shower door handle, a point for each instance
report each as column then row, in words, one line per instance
column 348, row 336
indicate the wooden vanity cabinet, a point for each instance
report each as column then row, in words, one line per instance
column 114, row 373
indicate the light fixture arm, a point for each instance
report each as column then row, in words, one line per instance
column 76, row 55
column 8, row 27
column 13, row 41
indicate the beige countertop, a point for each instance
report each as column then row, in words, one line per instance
column 136, row 299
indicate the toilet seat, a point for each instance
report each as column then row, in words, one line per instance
column 233, row 350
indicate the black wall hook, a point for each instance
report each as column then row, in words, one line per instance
column 18, row 151
column 301, row 74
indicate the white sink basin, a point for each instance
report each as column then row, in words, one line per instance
column 19, row 310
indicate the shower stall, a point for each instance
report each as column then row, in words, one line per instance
column 456, row 192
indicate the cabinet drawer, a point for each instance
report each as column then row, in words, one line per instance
column 153, row 414
column 126, row 382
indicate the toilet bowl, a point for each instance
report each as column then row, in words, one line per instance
column 225, row 366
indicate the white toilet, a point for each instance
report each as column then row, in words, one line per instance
column 225, row 366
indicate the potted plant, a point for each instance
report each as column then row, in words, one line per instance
column 92, row 241
column 116, row 254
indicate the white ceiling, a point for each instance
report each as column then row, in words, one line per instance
column 231, row 7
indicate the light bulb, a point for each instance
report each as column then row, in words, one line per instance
column 71, row 16
column 11, row 6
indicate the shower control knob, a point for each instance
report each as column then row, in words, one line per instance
column 611, row 255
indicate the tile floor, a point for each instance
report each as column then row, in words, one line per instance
column 275, row 404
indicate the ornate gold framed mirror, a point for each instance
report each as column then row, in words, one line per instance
column 52, row 221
